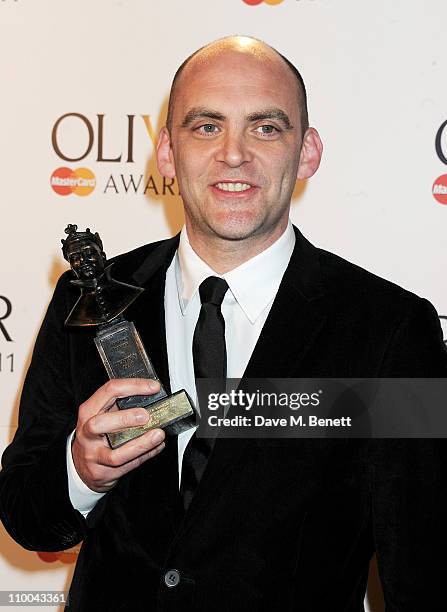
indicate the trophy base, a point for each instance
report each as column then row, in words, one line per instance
column 174, row 414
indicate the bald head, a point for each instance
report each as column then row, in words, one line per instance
column 234, row 46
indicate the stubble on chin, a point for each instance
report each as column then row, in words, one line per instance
column 234, row 226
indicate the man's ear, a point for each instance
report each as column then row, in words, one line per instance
column 310, row 157
column 165, row 160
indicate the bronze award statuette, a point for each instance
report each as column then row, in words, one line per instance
column 102, row 303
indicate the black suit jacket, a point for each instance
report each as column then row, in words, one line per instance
column 275, row 524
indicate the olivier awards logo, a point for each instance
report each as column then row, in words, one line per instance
column 6, row 358
column 5, row 311
column 114, row 163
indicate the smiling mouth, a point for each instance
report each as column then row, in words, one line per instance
column 233, row 186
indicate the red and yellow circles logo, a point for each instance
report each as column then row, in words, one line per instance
column 65, row 181
column 439, row 189
column 254, row 2
column 64, row 556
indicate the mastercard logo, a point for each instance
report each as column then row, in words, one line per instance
column 64, row 556
column 65, row 181
column 254, row 2
column 439, row 189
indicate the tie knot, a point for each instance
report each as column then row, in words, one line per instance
column 212, row 290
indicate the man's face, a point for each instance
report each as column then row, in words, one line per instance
column 86, row 260
column 235, row 145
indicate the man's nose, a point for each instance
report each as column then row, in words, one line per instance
column 234, row 149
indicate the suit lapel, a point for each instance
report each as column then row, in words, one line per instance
column 292, row 327
column 148, row 314
column 295, row 319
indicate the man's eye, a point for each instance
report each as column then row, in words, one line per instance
column 207, row 128
column 266, row 130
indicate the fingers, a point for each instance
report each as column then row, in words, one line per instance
column 106, row 395
column 108, row 422
column 99, row 466
column 131, row 451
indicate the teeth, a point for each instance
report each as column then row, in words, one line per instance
column 233, row 186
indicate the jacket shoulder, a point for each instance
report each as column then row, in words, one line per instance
column 395, row 329
column 126, row 264
column 348, row 282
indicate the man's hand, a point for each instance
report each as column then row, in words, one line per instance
column 96, row 463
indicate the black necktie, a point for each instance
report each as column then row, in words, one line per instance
column 210, row 361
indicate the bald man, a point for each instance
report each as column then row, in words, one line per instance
column 271, row 524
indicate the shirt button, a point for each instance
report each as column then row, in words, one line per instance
column 172, row 578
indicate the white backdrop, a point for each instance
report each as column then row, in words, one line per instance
column 375, row 77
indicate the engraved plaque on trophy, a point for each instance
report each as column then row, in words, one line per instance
column 102, row 303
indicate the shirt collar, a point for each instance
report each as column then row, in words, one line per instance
column 253, row 284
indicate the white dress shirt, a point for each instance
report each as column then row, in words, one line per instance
column 252, row 288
